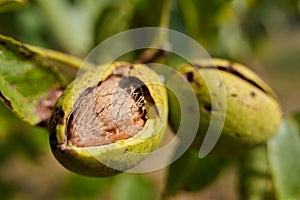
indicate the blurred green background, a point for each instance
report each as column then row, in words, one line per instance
column 262, row 34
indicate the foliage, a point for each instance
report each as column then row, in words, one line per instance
column 262, row 34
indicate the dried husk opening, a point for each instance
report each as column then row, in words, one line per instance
column 113, row 110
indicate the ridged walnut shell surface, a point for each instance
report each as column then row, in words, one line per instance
column 102, row 159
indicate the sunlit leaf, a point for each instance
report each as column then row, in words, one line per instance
column 283, row 154
column 191, row 173
column 28, row 87
column 10, row 5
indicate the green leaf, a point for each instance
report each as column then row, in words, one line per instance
column 283, row 154
column 132, row 187
column 255, row 177
column 191, row 173
column 272, row 171
column 67, row 65
column 204, row 14
column 115, row 18
column 27, row 86
column 10, row 5
column 72, row 23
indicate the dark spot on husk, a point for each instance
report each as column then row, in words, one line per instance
column 253, row 94
column 5, row 100
column 233, row 95
column 189, row 76
column 61, row 115
column 237, row 135
column 207, row 107
column 57, row 117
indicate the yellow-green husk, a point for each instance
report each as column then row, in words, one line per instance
column 109, row 159
column 253, row 113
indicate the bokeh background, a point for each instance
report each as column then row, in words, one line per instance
column 262, row 34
